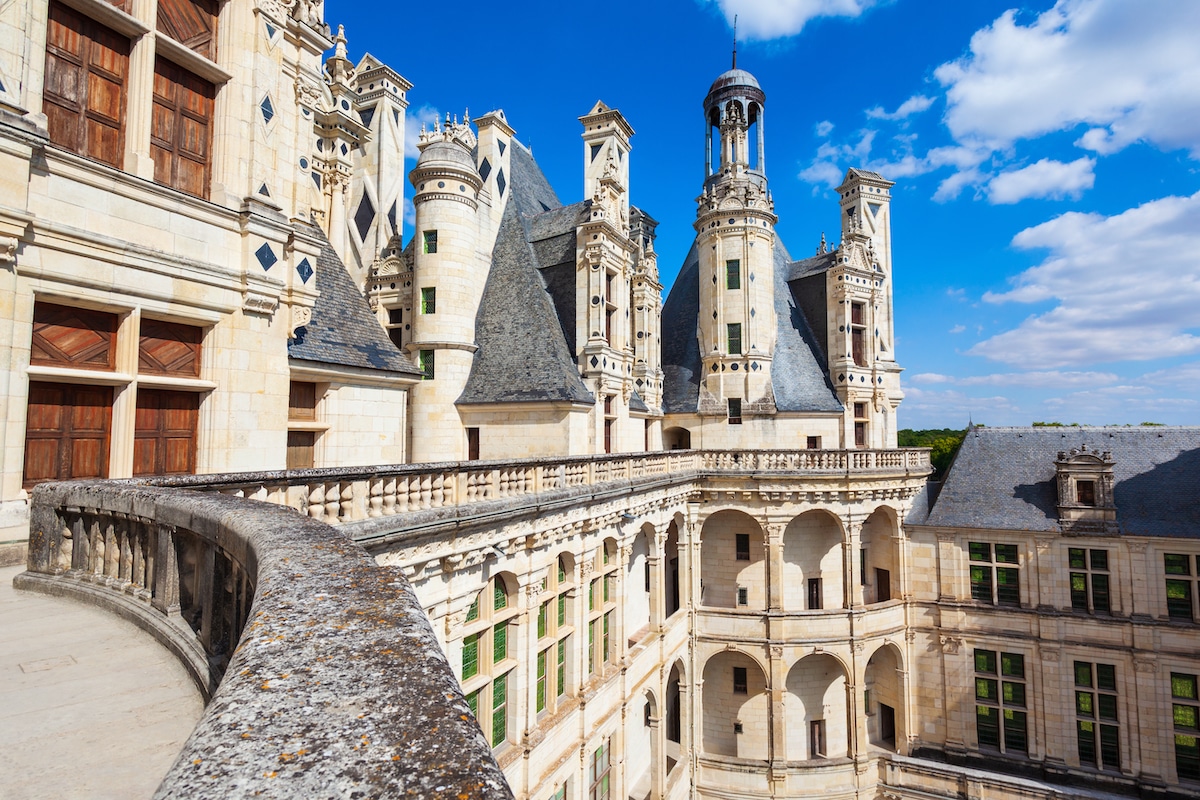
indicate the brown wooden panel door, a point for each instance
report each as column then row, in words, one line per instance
column 181, row 128
column 73, row 337
column 164, row 436
column 87, row 66
column 169, row 348
column 190, row 22
column 67, row 432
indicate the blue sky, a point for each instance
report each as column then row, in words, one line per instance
column 1046, row 217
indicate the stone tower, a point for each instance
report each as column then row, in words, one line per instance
column 861, row 333
column 447, row 286
column 735, row 223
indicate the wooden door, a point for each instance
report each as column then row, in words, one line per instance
column 883, row 585
column 87, row 66
column 67, row 432
column 164, row 436
column 301, row 449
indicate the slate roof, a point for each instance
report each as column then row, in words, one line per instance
column 798, row 373
column 519, row 358
column 1004, row 478
column 343, row 331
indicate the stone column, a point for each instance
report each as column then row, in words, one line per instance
column 774, row 548
column 777, row 746
column 139, row 89
column 1055, row 722
column 957, row 691
column 526, row 647
column 658, row 759
column 1143, row 602
column 1045, row 585
column 852, row 590
column 1145, row 738
column 658, row 598
column 949, row 558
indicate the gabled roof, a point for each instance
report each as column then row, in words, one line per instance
column 523, row 355
column 798, row 374
column 343, row 330
column 1004, row 478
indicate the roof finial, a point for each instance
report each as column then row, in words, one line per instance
column 735, row 16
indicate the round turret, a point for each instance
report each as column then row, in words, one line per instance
column 445, row 154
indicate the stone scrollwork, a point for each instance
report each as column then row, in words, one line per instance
column 951, row 644
column 8, row 250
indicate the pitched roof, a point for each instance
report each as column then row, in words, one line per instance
column 798, row 374
column 343, row 330
column 1004, row 478
column 523, row 354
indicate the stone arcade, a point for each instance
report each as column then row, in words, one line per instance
column 667, row 549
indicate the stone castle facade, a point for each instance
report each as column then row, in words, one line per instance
column 204, row 271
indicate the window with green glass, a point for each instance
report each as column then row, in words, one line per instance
column 592, row 595
column 470, row 656
column 607, row 623
column 1001, row 719
column 430, row 241
column 562, row 609
column 598, row 774
column 473, row 704
column 561, row 665
column 1180, row 586
column 429, row 300
column 592, row 647
column 733, row 274
column 1186, row 712
column 1089, row 580
column 543, row 618
column 499, row 710
column 500, row 643
column 426, row 357
column 541, row 681
column 1096, row 715
column 733, row 334
column 499, row 597
column 608, row 588
column 991, row 581
column 473, row 610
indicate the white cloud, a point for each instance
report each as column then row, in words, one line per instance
column 913, row 105
column 1051, row 379
column 931, row 377
column 958, row 329
column 775, row 19
column 1127, row 288
column 1130, row 71
column 824, row 128
column 825, row 168
column 1046, row 178
column 425, row 116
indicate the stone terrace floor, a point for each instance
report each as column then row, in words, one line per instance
column 90, row 705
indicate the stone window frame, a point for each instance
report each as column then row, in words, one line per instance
column 1002, row 687
column 992, row 568
column 1181, row 583
column 601, row 608
column 1089, row 581
column 554, row 627
column 492, row 621
column 1097, row 715
column 1186, row 722
column 599, row 773
column 733, row 274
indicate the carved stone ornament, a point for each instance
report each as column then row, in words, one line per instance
column 301, row 316
column 950, row 644
column 256, row 303
column 1145, row 665
column 776, row 651
column 1051, row 655
column 8, row 250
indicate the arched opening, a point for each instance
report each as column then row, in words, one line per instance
column 670, row 561
column 489, row 656
column 677, row 439
column 884, row 699
column 753, row 140
column 636, row 602
column 879, row 558
column 554, row 675
column 736, row 707
column 812, row 562
column 815, row 709
column 641, row 746
column 732, row 562
column 675, row 717
column 714, row 135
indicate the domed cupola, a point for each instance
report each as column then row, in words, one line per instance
column 733, row 108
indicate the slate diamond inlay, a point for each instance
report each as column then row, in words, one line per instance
column 266, row 256
column 268, row 110
column 304, row 270
column 501, row 182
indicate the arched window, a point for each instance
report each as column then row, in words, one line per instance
column 488, row 658
column 602, row 605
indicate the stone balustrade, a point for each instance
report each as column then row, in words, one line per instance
column 326, row 679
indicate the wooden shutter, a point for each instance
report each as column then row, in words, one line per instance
column 73, row 337
column 301, row 446
column 164, row 437
column 192, row 23
column 84, row 96
column 302, row 401
column 181, row 128
column 169, row 348
column 67, row 432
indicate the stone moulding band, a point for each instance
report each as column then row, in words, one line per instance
column 336, row 685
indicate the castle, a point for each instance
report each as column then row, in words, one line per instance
column 205, row 273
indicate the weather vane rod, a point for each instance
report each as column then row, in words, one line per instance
column 735, row 16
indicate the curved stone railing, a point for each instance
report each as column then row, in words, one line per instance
column 326, row 679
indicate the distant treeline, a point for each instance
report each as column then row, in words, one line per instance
column 943, row 445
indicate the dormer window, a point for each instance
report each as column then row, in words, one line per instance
column 1085, row 492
